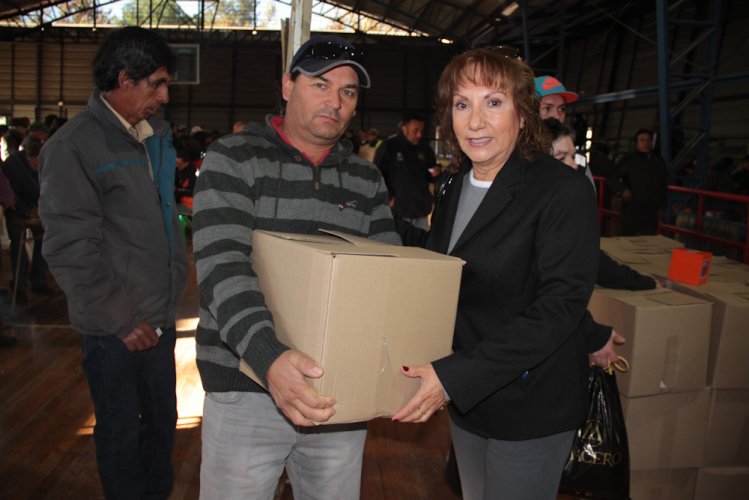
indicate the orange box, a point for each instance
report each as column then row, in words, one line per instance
column 689, row 266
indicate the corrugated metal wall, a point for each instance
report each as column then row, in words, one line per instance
column 241, row 80
column 236, row 83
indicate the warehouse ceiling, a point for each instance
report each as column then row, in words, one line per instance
column 467, row 22
column 501, row 21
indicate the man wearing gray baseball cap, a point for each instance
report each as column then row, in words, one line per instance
column 322, row 53
column 294, row 174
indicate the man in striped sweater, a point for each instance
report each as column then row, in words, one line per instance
column 289, row 174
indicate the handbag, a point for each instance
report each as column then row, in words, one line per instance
column 598, row 464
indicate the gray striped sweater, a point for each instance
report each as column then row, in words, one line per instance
column 255, row 180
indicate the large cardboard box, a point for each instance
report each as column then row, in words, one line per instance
column 643, row 245
column 729, row 334
column 723, row 269
column 645, row 254
column 722, row 483
column 361, row 309
column 666, row 431
column 674, row 484
column 667, row 338
column 727, row 437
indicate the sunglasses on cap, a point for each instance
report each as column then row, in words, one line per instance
column 319, row 56
column 325, row 51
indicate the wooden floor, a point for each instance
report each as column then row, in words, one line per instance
column 46, row 418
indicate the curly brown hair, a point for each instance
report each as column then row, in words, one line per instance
column 492, row 68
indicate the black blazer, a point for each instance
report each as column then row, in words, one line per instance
column 519, row 370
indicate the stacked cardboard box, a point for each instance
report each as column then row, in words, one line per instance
column 724, row 483
column 647, row 254
column 724, row 472
column 727, row 436
column 644, row 245
column 729, row 337
column 664, row 484
column 361, row 309
column 723, row 269
column 715, row 463
column 664, row 398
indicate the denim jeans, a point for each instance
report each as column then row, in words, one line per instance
column 247, row 442
column 136, row 414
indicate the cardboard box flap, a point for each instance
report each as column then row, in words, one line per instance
column 366, row 246
column 646, row 245
column 675, row 299
column 245, row 368
column 730, row 293
column 651, row 298
column 628, row 258
column 337, row 243
column 720, row 262
column 354, row 240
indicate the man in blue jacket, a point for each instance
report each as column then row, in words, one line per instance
column 113, row 244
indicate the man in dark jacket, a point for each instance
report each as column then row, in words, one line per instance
column 113, row 243
column 406, row 164
column 21, row 168
column 7, row 202
column 641, row 179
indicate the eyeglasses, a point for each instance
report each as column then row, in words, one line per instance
column 325, row 51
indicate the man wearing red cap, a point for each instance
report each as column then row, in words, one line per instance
column 554, row 97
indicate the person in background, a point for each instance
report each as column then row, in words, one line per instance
column 554, row 97
column 610, row 273
column 527, row 230
column 600, row 163
column 741, row 177
column 21, row 124
column 368, row 148
column 408, row 166
column 349, row 135
column 22, row 171
column 641, row 179
column 238, row 126
column 293, row 174
column 184, row 180
column 50, row 122
column 361, row 136
column 7, row 202
column 11, row 141
column 114, row 245
column 563, row 147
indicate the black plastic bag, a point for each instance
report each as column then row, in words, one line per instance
column 598, row 465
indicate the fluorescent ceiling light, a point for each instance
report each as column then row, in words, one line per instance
column 510, row 9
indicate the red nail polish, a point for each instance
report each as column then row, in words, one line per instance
column 405, row 368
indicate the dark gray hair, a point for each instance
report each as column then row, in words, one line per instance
column 137, row 51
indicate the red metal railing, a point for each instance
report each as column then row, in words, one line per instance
column 699, row 229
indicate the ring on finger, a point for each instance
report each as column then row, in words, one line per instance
column 421, row 411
